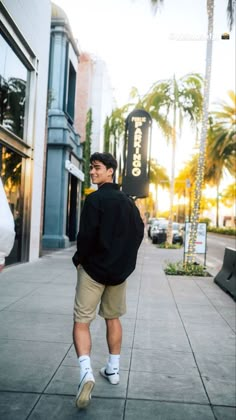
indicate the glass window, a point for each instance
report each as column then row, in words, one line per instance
column 71, row 92
column 13, row 79
column 10, row 171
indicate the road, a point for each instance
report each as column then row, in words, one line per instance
column 216, row 245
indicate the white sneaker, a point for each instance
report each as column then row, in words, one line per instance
column 85, row 388
column 113, row 377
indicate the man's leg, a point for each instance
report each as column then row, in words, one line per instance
column 82, row 338
column 82, row 343
column 114, row 335
column 113, row 305
column 87, row 297
column 114, row 339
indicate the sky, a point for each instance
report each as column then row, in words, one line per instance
column 140, row 47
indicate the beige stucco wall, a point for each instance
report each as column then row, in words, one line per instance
column 83, row 93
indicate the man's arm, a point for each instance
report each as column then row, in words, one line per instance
column 88, row 231
column 139, row 226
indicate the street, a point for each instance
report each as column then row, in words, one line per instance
column 216, row 245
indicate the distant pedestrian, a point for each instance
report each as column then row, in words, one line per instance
column 7, row 231
column 110, row 233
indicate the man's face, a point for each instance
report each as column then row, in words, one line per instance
column 99, row 173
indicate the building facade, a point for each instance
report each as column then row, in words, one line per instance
column 64, row 174
column 94, row 91
column 24, row 52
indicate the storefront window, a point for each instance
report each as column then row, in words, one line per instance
column 13, row 79
column 10, row 171
column 71, row 93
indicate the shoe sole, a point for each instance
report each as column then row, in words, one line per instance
column 84, row 397
column 108, row 379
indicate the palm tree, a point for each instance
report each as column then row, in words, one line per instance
column 114, row 133
column 201, row 159
column 230, row 9
column 158, row 176
column 221, row 145
column 225, row 113
column 180, row 98
column 87, row 150
column 229, row 195
column 184, row 183
column 114, row 129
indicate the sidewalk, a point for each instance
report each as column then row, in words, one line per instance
column 178, row 357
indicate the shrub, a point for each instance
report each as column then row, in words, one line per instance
column 180, row 268
column 223, row 230
column 205, row 220
column 166, row 245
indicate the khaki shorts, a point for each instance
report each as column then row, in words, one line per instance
column 90, row 293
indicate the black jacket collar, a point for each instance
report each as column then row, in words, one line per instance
column 109, row 185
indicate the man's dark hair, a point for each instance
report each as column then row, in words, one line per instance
column 106, row 158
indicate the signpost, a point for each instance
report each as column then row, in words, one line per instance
column 135, row 180
column 200, row 244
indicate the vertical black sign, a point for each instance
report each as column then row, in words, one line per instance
column 137, row 140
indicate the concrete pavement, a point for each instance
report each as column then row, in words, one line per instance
column 178, row 356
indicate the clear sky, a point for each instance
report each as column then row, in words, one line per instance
column 141, row 48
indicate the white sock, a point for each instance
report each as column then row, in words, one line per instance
column 85, row 365
column 113, row 362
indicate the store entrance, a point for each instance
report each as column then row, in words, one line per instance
column 72, row 208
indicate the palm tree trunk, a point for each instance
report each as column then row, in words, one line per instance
column 156, row 203
column 217, row 203
column 172, row 180
column 190, row 255
column 190, row 205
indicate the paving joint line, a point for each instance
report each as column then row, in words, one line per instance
column 204, row 387
column 132, row 345
column 43, row 392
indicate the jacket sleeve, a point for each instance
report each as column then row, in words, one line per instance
column 139, row 225
column 7, row 231
column 88, row 230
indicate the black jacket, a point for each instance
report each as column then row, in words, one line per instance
column 111, row 231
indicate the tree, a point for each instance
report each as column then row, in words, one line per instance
column 220, row 152
column 114, row 129
column 229, row 195
column 158, row 176
column 221, row 145
column 201, row 159
column 184, row 183
column 169, row 102
column 87, row 149
column 114, row 134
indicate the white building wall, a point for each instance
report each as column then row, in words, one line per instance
column 33, row 18
column 102, row 103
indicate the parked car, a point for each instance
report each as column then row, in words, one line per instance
column 158, row 232
column 155, row 225
column 154, row 222
column 149, row 225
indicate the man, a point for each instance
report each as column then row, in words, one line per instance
column 110, row 233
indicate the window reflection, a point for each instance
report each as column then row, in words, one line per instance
column 13, row 79
column 71, row 93
column 10, row 171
